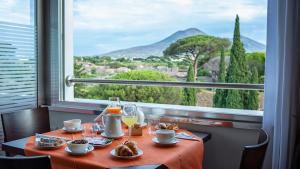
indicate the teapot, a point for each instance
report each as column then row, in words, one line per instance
column 111, row 119
column 112, row 125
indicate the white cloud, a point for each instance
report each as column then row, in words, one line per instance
column 16, row 11
column 107, row 25
column 149, row 14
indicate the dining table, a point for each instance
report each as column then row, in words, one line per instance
column 185, row 152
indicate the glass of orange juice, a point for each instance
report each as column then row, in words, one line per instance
column 114, row 106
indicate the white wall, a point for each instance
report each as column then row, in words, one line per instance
column 223, row 151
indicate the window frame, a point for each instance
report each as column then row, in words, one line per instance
column 64, row 100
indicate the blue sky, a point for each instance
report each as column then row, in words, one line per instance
column 101, row 26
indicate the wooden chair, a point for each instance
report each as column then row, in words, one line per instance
column 253, row 155
column 36, row 162
column 25, row 123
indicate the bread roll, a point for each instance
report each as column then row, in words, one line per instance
column 132, row 145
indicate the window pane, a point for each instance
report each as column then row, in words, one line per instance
column 18, row 88
column 177, row 40
column 168, row 95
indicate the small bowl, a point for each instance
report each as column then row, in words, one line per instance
column 72, row 124
column 78, row 146
column 165, row 136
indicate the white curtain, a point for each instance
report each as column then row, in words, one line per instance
column 282, row 84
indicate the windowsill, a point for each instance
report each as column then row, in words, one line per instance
column 221, row 117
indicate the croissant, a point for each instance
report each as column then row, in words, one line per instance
column 123, row 150
column 162, row 126
column 132, row 145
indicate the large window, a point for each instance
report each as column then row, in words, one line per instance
column 194, row 41
column 18, row 76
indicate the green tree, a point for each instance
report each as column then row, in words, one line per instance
column 93, row 71
column 189, row 94
column 219, row 100
column 79, row 89
column 237, row 71
column 257, row 59
column 253, row 101
column 149, row 94
column 79, row 70
column 194, row 48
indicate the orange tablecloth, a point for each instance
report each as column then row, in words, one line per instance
column 186, row 154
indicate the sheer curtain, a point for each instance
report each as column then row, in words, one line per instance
column 282, row 84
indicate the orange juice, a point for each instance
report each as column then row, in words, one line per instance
column 114, row 110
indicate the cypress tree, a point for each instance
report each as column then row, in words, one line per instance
column 189, row 94
column 219, row 100
column 237, row 70
column 253, row 101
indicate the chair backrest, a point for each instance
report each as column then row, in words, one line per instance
column 25, row 123
column 253, row 155
column 36, row 162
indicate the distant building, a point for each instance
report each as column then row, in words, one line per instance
column 122, row 69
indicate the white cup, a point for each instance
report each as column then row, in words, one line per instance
column 72, row 124
column 78, row 148
column 165, row 136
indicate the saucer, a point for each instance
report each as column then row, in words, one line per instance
column 73, row 130
column 173, row 142
column 89, row 149
column 99, row 142
column 113, row 137
column 140, row 153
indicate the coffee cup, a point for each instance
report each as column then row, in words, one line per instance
column 78, row 146
column 165, row 136
column 73, row 124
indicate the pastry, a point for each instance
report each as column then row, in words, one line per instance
column 162, row 125
column 132, row 145
column 123, row 150
column 128, row 148
column 167, row 126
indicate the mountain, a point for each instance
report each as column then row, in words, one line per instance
column 156, row 49
column 252, row 45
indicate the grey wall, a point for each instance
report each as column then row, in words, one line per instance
column 223, row 151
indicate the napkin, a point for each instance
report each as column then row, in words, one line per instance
column 184, row 135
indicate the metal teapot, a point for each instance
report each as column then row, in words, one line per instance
column 111, row 119
column 112, row 125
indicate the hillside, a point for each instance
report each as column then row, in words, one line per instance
column 156, row 49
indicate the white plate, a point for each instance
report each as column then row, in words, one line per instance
column 89, row 149
column 45, row 147
column 113, row 137
column 49, row 147
column 113, row 153
column 72, row 130
column 99, row 140
column 174, row 141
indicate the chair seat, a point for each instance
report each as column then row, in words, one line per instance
column 38, row 162
column 253, row 155
column 25, row 123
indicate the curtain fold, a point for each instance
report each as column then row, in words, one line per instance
column 282, row 84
